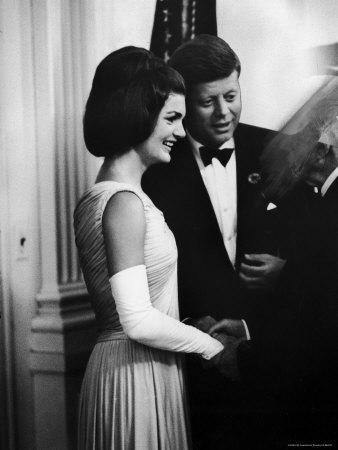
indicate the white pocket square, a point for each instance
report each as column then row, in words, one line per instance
column 271, row 206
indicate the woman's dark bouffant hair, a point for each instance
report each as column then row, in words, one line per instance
column 129, row 90
column 203, row 59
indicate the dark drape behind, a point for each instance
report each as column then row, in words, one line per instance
column 177, row 21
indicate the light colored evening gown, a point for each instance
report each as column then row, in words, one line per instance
column 132, row 396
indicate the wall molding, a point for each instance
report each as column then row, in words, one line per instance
column 62, row 337
column 63, row 330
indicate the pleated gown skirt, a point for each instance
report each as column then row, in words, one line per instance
column 133, row 397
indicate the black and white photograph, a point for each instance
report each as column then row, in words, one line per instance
column 168, row 224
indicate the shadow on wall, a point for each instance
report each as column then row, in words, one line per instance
column 326, row 57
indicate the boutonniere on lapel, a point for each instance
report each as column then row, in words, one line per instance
column 254, row 178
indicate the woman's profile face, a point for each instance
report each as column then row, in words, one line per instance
column 167, row 131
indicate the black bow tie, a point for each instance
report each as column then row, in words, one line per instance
column 223, row 155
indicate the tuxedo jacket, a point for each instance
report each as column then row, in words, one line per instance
column 319, row 311
column 300, row 358
column 207, row 281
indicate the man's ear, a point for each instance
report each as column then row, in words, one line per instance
column 334, row 150
column 322, row 151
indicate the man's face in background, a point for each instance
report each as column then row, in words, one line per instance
column 318, row 167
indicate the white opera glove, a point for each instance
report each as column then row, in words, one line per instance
column 144, row 323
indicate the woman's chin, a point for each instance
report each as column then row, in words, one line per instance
column 165, row 157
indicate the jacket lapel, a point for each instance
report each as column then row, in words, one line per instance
column 194, row 198
column 248, row 170
column 247, row 192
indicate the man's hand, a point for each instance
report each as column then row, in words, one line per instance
column 226, row 360
column 261, row 271
column 203, row 323
column 231, row 327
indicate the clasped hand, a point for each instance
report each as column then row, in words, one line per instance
column 230, row 333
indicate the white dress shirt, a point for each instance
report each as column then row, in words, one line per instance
column 221, row 184
column 330, row 179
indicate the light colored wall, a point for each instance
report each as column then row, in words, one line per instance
column 270, row 38
column 112, row 25
column 319, row 22
column 18, row 144
column 49, row 50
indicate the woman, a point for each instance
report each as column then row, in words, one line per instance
column 133, row 391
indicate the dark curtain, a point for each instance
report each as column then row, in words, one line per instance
column 177, row 21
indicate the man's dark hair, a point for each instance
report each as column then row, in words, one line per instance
column 205, row 58
column 129, row 90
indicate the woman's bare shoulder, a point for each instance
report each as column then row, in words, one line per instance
column 123, row 225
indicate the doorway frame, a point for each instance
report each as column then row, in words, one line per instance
column 7, row 422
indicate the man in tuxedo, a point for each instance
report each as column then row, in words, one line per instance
column 207, row 194
column 299, row 362
column 319, row 312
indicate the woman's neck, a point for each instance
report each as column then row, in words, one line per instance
column 126, row 168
